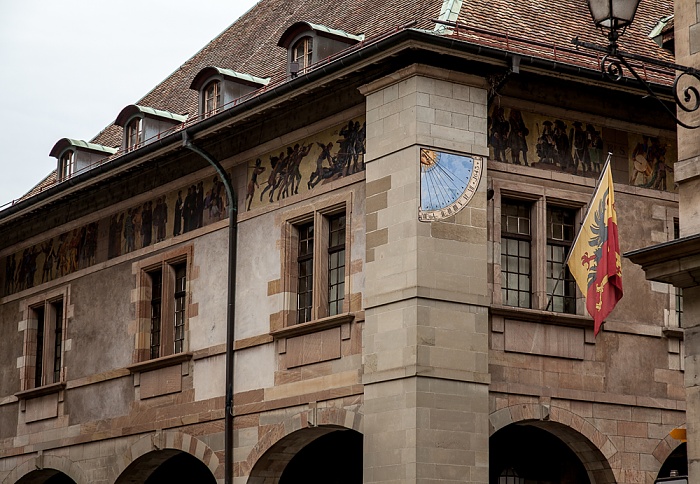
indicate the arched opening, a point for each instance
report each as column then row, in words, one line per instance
column 318, row 455
column 534, row 455
column 676, row 461
column 335, row 458
column 166, row 466
column 46, row 476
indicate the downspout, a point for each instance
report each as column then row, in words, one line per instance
column 231, row 308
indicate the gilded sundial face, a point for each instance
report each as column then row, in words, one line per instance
column 447, row 183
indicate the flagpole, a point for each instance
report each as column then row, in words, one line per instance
column 578, row 232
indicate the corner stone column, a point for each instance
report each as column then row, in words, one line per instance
column 687, row 175
column 425, row 342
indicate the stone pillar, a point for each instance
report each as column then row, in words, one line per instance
column 425, row 348
column 687, row 175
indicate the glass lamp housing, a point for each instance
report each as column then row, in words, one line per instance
column 613, row 14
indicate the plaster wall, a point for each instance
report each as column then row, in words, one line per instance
column 258, row 262
column 208, row 290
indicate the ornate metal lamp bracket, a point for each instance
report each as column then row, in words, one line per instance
column 687, row 98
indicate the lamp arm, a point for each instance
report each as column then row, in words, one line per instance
column 688, row 95
column 614, row 60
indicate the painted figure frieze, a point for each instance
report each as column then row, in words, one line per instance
column 651, row 162
column 577, row 147
column 529, row 139
column 177, row 212
column 301, row 166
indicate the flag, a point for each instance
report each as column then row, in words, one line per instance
column 594, row 260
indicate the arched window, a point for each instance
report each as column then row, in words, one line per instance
column 212, row 98
column 134, row 133
column 302, row 52
column 66, row 166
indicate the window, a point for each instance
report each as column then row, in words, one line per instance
column 537, row 232
column 168, row 295
column 305, row 269
column 516, row 240
column 44, row 343
column 561, row 286
column 212, row 98
column 162, row 307
column 678, row 290
column 66, row 166
column 302, row 53
column 318, row 278
column 134, row 133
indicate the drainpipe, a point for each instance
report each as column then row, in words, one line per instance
column 231, row 308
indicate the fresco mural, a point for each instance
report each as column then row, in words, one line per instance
column 523, row 138
column 178, row 212
column 651, row 162
column 535, row 140
column 299, row 167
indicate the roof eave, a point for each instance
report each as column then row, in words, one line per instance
column 373, row 52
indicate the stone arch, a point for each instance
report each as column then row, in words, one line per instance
column 168, row 439
column 595, row 450
column 277, row 447
column 47, row 461
column 665, row 448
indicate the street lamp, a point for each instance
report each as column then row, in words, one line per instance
column 615, row 16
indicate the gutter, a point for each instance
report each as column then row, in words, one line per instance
column 231, row 300
column 219, row 120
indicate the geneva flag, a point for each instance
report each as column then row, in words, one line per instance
column 594, row 260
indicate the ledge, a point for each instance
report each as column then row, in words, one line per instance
column 539, row 316
column 161, row 362
column 677, row 333
column 313, row 326
column 40, row 391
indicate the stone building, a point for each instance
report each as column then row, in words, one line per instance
column 408, row 178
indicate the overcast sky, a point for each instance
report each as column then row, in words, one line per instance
column 68, row 67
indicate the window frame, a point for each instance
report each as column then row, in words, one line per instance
column 540, row 199
column 566, row 281
column 320, row 286
column 66, row 165
column 50, row 371
column 307, row 43
column 134, row 133
column 215, row 98
column 172, row 334
column 517, row 237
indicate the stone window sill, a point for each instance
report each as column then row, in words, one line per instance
column 161, row 362
column 40, row 391
column 313, row 326
column 539, row 316
column 677, row 333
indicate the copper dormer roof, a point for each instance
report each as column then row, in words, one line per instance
column 133, row 109
column 247, row 79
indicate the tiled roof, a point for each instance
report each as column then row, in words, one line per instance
column 250, row 44
column 532, row 27
column 520, row 24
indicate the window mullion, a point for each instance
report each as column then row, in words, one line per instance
column 49, row 342
column 321, row 266
column 539, row 254
column 167, row 314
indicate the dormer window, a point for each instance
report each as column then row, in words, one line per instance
column 309, row 44
column 143, row 124
column 212, row 97
column 223, row 88
column 75, row 156
column 302, row 53
column 134, row 133
column 66, row 165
